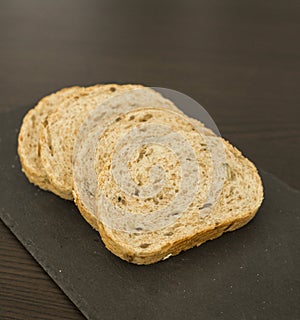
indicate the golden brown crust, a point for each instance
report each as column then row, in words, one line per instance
column 33, row 168
column 172, row 249
column 90, row 219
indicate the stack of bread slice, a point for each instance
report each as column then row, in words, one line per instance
column 150, row 179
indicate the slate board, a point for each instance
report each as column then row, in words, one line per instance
column 252, row 273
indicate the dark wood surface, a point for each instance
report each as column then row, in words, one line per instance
column 239, row 59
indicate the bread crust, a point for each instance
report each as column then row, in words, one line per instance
column 88, row 216
column 172, row 249
column 28, row 145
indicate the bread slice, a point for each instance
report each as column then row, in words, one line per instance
column 165, row 185
column 28, row 139
column 60, row 129
column 84, row 176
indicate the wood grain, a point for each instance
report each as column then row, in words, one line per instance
column 26, row 291
column 239, row 59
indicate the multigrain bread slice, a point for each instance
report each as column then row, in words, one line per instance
column 60, row 129
column 84, row 176
column 28, row 139
column 144, row 229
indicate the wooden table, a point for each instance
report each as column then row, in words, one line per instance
column 239, row 59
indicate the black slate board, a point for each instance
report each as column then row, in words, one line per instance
column 252, row 273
